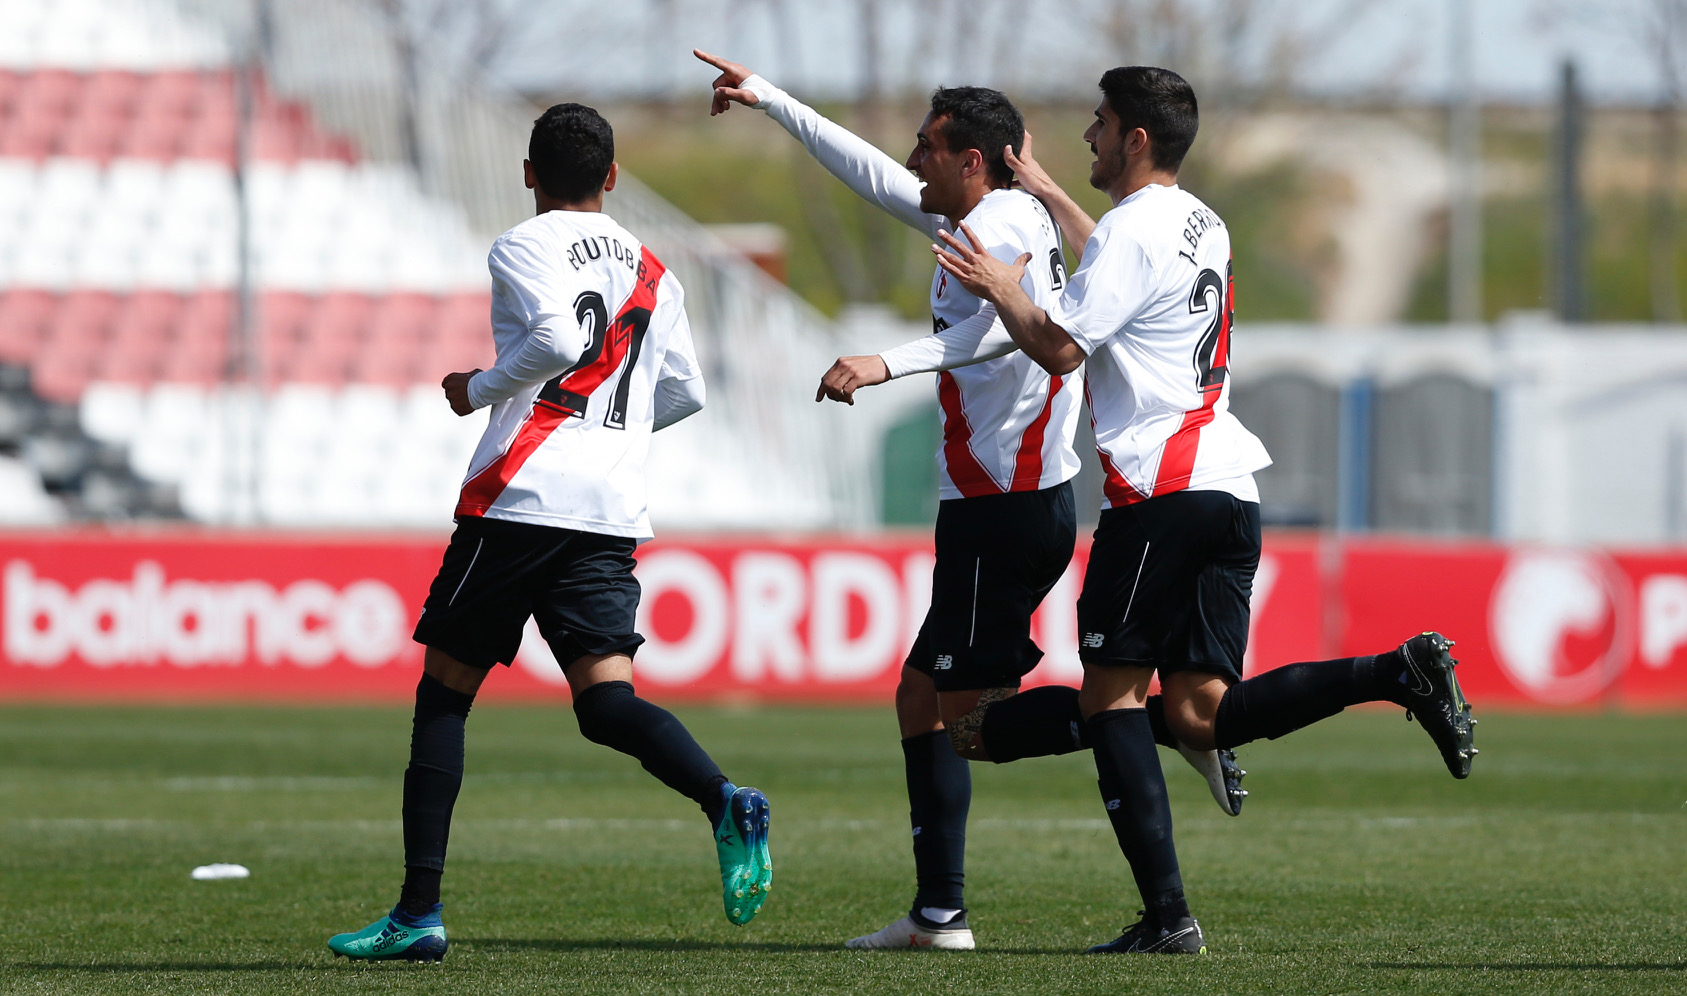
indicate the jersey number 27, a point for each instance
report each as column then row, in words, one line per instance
column 607, row 345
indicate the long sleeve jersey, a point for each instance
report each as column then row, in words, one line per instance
column 594, row 353
column 1007, row 424
column 1151, row 306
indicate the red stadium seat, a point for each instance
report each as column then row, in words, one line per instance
column 49, row 91
column 205, row 318
column 111, row 93
column 145, row 320
column 283, row 314
column 83, row 320
column 403, row 320
column 9, row 83
column 275, row 141
column 210, row 137
column 171, row 93
column 200, row 364
column 30, row 137
column 341, row 317
column 24, row 315
column 92, row 137
column 153, row 135
column 130, row 363
column 61, row 375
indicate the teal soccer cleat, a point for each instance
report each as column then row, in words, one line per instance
column 395, row 937
column 746, row 867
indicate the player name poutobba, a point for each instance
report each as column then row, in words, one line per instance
column 1201, row 221
column 590, row 250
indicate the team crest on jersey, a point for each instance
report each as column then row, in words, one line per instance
column 942, row 282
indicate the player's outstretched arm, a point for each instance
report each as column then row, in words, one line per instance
column 864, row 168
column 981, row 336
column 1075, row 224
column 998, row 282
column 849, row 373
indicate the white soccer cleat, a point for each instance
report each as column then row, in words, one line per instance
column 1223, row 775
column 906, row 934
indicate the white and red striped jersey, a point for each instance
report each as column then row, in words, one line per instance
column 1007, row 424
column 594, row 353
column 1151, row 305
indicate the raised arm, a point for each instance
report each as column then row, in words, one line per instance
column 872, row 174
column 1075, row 224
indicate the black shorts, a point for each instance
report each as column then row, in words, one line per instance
column 1168, row 584
column 997, row 556
column 578, row 586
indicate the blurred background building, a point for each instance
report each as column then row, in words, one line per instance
column 242, row 240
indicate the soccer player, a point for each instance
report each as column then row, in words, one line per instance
column 594, row 352
column 1007, row 523
column 1149, row 309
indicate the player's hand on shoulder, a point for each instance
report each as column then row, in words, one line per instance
column 980, row 273
column 1028, row 174
column 457, row 391
column 727, row 85
column 849, row 373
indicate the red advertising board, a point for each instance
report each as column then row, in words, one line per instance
column 207, row 615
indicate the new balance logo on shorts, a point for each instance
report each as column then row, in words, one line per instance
column 944, row 662
column 1093, row 640
column 1112, row 804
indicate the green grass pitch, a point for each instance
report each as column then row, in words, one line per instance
column 1358, row 866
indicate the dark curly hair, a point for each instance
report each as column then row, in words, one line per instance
column 571, row 150
column 977, row 117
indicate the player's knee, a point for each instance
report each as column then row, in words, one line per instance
column 916, row 704
column 968, row 741
column 1189, row 726
column 599, row 710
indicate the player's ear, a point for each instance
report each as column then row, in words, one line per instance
column 1136, row 143
column 527, row 174
column 972, row 163
column 609, row 181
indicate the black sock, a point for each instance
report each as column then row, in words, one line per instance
column 1040, row 722
column 1156, row 706
column 611, row 715
column 431, row 783
column 939, row 795
column 1283, row 700
column 1133, row 787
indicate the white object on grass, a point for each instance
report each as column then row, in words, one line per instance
column 207, row 873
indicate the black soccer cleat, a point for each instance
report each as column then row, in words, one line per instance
column 1434, row 698
column 1233, row 775
column 1147, row 936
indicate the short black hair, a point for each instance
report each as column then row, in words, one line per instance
column 980, row 118
column 571, row 150
column 1158, row 101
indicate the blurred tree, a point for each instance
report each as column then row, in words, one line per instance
column 1665, row 33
